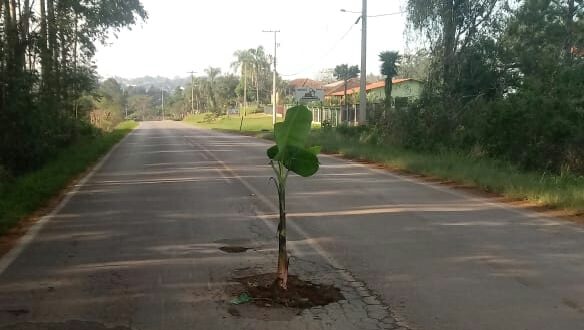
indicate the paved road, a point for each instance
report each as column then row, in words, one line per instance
column 137, row 247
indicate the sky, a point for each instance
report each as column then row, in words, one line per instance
column 190, row 35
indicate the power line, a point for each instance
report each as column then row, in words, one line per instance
column 390, row 14
column 327, row 53
column 378, row 15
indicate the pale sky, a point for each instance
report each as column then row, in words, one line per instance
column 185, row 35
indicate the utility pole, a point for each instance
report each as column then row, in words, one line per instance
column 162, row 91
column 192, row 91
column 363, row 81
column 274, row 82
column 124, row 98
column 244, row 74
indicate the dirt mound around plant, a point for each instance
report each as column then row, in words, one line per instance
column 265, row 292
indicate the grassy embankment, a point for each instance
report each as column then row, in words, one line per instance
column 26, row 194
column 557, row 191
column 252, row 123
column 500, row 177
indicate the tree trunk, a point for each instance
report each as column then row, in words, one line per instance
column 257, row 87
column 569, row 41
column 282, row 279
column 244, row 73
column 52, row 34
column 345, row 95
column 448, row 45
column 388, row 90
column 13, row 11
column 24, row 33
column 45, row 62
column 11, row 32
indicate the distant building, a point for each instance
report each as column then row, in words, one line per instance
column 305, row 82
column 332, row 89
column 410, row 89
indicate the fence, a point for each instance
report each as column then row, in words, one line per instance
column 337, row 115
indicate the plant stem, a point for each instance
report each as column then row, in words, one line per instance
column 282, row 253
column 282, row 175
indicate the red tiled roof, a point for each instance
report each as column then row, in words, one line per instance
column 339, row 86
column 304, row 82
column 577, row 51
column 375, row 85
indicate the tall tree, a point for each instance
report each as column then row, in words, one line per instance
column 46, row 51
column 345, row 72
column 389, row 61
column 212, row 74
column 450, row 26
column 260, row 67
column 243, row 62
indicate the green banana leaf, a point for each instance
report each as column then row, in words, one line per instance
column 290, row 148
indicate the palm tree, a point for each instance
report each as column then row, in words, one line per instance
column 260, row 63
column 344, row 72
column 212, row 74
column 244, row 60
column 389, row 60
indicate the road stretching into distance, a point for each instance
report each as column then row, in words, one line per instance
column 136, row 245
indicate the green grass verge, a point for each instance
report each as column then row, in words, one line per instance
column 26, row 194
column 252, row 123
column 556, row 191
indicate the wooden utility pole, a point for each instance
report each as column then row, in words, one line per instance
column 244, row 74
column 274, row 93
column 192, row 91
column 363, row 80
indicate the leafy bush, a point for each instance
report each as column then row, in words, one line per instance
column 536, row 129
column 326, row 125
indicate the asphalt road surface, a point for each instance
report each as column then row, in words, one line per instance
column 136, row 246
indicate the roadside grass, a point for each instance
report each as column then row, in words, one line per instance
column 554, row 191
column 252, row 123
column 491, row 175
column 26, row 194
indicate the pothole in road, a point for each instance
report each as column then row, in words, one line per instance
column 234, row 249
column 69, row 325
column 263, row 291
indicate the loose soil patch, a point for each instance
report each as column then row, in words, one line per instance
column 300, row 294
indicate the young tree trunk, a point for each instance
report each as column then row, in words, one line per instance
column 25, row 33
column 13, row 11
column 282, row 253
column 345, row 95
column 388, row 90
column 345, row 103
column 448, row 44
column 569, row 22
column 45, row 63
column 257, row 87
column 52, row 35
